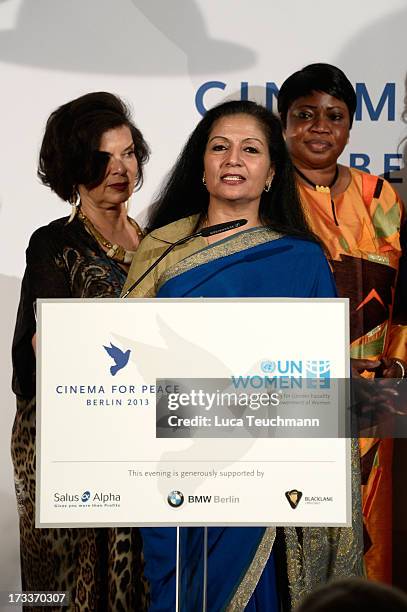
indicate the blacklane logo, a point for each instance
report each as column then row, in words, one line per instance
column 293, row 497
column 318, row 499
column 175, row 499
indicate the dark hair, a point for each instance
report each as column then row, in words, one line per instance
column 184, row 194
column 69, row 154
column 316, row 77
column 354, row 595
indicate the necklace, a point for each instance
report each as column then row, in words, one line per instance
column 323, row 188
column 320, row 188
column 114, row 251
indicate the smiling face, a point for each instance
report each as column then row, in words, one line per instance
column 237, row 161
column 317, row 130
column 121, row 172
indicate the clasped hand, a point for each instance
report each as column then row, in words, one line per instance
column 377, row 400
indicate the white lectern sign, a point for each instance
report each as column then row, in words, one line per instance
column 207, row 454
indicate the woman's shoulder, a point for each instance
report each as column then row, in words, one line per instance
column 159, row 239
column 304, row 245
column 374, row 186
column 50, row 234
column 54, row 229
column 357, row 173
column 59, row 233
column 174, row 231
column 152, row 248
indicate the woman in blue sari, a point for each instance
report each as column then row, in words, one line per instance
column 235, row 165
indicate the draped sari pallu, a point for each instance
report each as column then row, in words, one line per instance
column 241, row 566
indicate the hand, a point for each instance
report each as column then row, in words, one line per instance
column 374, row 404
column 377, row 401
column 362, row 365
column 392, row 368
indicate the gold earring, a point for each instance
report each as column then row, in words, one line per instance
column 75, row 203
column 204, row 179
column 268, row 185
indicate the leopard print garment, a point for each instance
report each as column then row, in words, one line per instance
column 100, row 568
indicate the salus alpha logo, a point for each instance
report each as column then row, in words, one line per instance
column 85, row 497
column 98, row 499
column 293, row 497
column 175, row 499
column 120, row 358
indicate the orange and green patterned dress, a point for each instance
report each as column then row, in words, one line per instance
column 361, row 230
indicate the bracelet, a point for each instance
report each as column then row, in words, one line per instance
column 402, row 368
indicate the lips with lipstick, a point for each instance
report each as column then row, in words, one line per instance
column 232, row 179
column 120, row 186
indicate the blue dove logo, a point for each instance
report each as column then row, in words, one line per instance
column 119, row 357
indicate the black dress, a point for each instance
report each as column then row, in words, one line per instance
column 101, row 568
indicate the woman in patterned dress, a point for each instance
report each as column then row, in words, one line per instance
column 359, row 218
column 92, row 156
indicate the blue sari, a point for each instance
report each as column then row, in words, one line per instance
column 254, row 263
column 268, row 265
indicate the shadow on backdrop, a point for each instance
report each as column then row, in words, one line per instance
column 141, row 37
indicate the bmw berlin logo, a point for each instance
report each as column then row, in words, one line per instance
column 175, row 499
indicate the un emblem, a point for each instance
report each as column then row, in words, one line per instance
column 268, row 366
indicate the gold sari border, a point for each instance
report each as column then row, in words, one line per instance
column 229, row 246
column 251, row 578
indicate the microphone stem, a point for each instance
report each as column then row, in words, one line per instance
column 205, row 231
column 157, row 261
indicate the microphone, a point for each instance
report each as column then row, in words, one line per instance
column 219, row 228
column 204, row 232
